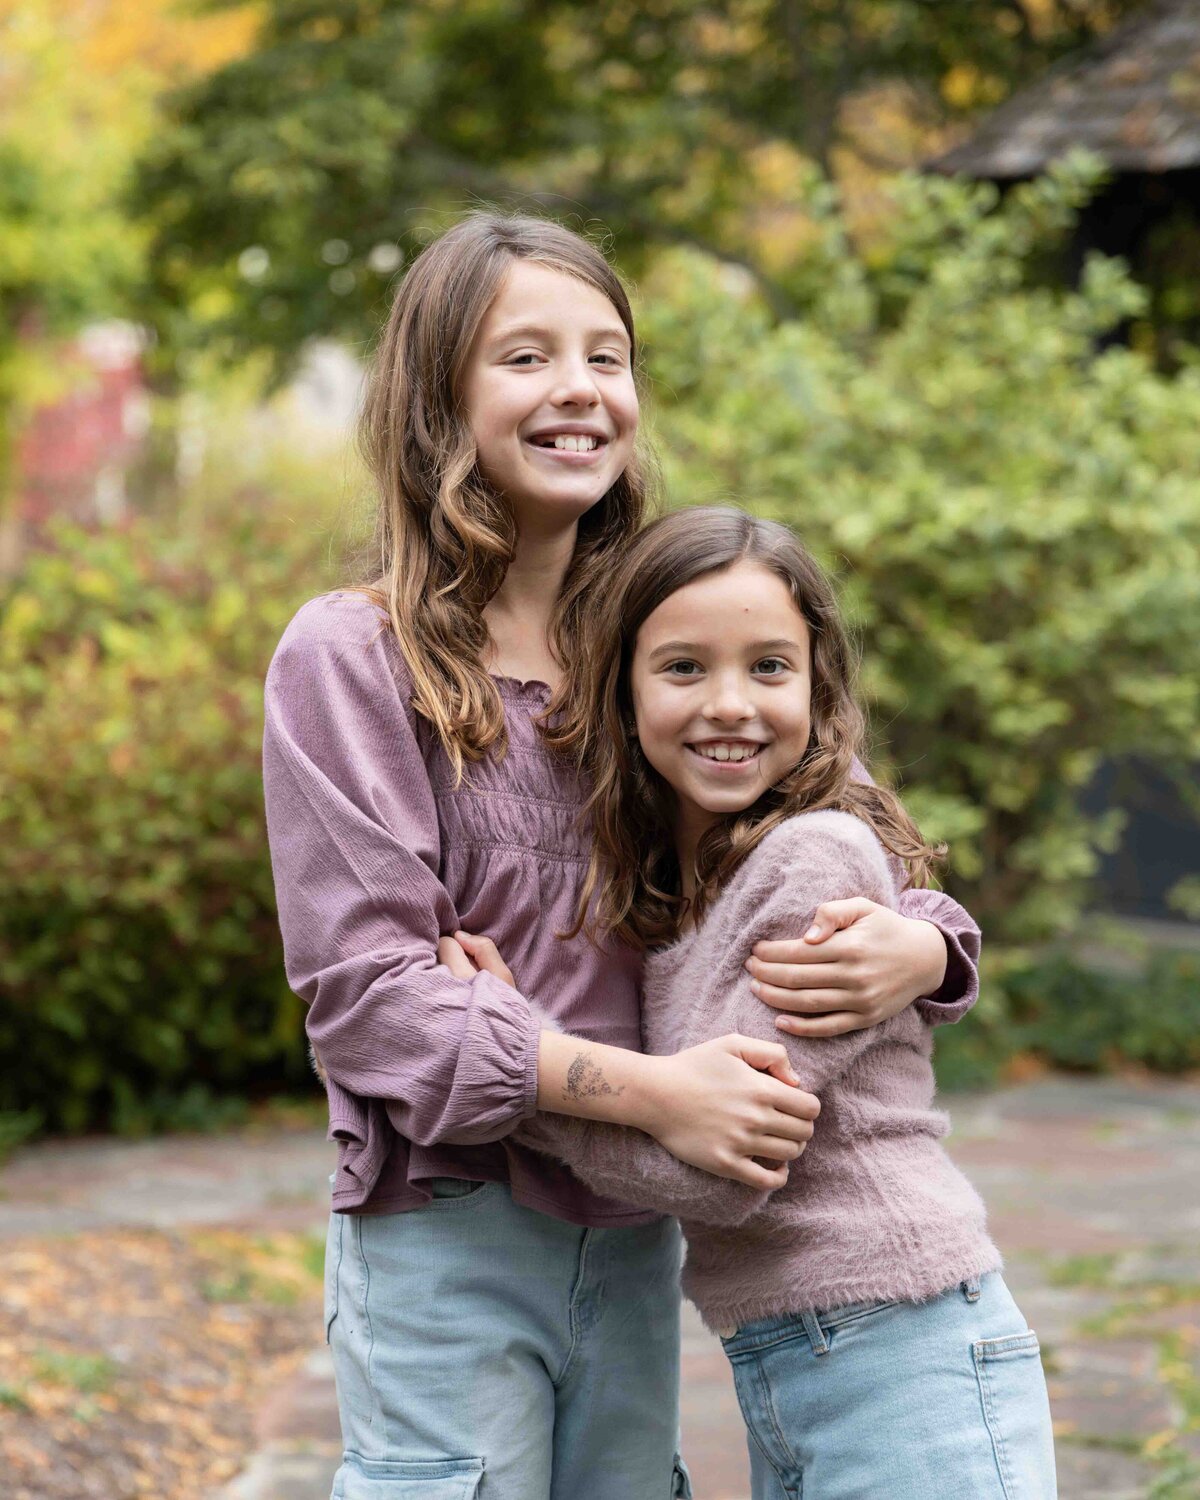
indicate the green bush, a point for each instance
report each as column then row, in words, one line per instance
column 1070, row 1015
column 140, row 970
column 1014, row 511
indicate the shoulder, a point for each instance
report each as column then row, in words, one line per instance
column 342, row 633
column 827, row 843
column 342, row 618
column 826, row 828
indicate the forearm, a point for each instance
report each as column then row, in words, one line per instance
column 620, row 1162
column 592, row 1081
column 454, row 1061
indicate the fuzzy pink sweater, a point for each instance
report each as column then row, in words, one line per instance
column 874, row 1210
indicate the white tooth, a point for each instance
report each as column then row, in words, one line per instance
column 737, row 752
column 721, row 752
column 588, row 444
column 560, row 441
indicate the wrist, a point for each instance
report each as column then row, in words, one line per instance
column 594, row 1081
column 644, row 1096
column 935, row 957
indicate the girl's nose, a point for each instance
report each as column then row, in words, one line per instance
column 577, row 387
column 728, row 704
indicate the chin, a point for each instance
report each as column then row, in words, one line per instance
column 573, row 506
column 722, row 805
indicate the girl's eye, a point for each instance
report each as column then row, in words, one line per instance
column 610, row 359
column 523, row 359
column 771, row 666
column 682, row 668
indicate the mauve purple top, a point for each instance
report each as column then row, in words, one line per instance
column 376, row 853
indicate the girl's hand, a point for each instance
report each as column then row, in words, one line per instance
column 858, row 964
column 718, row 1107
column 465, row 955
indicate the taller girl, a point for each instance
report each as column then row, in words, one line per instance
column 497, row 1329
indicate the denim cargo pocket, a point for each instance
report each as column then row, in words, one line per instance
column 435, row 1479
column 446, row 1188
column 1012, row 1387
column 681, row 1487
column 333, row 1266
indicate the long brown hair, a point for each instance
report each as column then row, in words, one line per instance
column 634, row 876
column 445, row 538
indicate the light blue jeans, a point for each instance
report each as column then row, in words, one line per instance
column 483, row 1349
column 938, row 1400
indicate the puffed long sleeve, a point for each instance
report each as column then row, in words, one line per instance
column 959, row 988
column 355, row 851
column 816, row 857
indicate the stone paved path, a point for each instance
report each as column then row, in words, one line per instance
column 1094, row 1194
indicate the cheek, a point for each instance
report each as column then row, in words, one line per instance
column 793, row 728
column 630, row 413
column 487, row 414
column 655, row 724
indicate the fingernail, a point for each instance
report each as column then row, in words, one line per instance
column 813, row 931
column 749, row 964
column 755, row 986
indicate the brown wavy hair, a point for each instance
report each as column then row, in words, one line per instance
column 444, row 536
column 633, row 889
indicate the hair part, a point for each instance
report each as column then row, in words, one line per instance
column 633, row 888
column 444, row 536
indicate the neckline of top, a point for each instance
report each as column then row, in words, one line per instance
column 531, row 687
column 528, row 687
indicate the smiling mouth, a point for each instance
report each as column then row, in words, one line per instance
column 568, row 442
column 725, row 754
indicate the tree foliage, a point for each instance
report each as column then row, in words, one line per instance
column 284, row 185
column 76, row 106
column 67, row 250
column 1016, row 515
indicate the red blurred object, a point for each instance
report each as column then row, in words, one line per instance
column 74, row 454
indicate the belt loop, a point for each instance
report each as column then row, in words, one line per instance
column 971, row 1289
column 816, row 1334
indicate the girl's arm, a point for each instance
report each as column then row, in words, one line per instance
column 355, row 851
column 863, row 963
column 813, row 858
column 959, row 989
column 620, row 1162
column 713, row 1107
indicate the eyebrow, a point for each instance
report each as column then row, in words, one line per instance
column 534, row 331
column 690, row 648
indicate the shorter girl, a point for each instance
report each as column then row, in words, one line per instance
column 875, row 1348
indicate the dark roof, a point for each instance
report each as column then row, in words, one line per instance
column 1133, row 97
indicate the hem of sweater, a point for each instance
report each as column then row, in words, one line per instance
column 828, row 1293
column 619, row 1218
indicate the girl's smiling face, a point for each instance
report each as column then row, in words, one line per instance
column 720, row 681
column 549, row 395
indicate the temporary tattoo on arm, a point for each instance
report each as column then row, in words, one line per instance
column 585, row 1080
